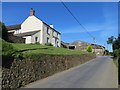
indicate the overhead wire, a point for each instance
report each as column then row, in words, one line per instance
column 78, row 21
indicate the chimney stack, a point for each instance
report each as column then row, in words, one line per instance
column 51, row 25
column 32, row 12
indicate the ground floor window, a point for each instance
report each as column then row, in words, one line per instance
column 36, row 39
column 47, row 39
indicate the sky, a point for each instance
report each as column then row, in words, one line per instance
column 99, row 18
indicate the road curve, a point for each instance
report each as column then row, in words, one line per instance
column 97, row 73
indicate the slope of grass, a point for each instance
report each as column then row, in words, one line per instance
column 40, row 49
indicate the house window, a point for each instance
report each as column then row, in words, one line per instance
column 48, row 30
column 47, row 39
column 36, row 39
column 17, row 31
column 57, row 43
column 57, row 34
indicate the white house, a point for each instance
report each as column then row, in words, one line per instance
column 35, row 30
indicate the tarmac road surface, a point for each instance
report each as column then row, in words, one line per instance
column 97, row 73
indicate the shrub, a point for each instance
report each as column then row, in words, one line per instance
column 89, row 48
column 48, row 44
column 7, row 48
column 3, row 31
column 9, row 51
column 38, row 43
column 18, row 55
column 116, row 53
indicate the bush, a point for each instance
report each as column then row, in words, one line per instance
column 115, row 53
column 48, row 44
column 37, row 43
column 4, row 33
column 9, row 51
column 7, row 48
column 18, row 55
column 89, row 48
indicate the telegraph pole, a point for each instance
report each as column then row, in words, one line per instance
column 94, row 43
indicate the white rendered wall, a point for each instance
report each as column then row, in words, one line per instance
column 35, row 35
column 28, row 40
column 31, row 24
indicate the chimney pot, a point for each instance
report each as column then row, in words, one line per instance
column 32, row 12
column 51, row 25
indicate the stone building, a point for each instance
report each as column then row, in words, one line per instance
column 80, row 45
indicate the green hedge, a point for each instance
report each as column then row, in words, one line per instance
column 116, row 53
column 7, row 48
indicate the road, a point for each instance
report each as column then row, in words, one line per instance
column 98, row 73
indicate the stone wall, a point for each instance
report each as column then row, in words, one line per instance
column 22, row 72
column 15, row 39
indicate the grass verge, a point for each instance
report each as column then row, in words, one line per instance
column 115, row 60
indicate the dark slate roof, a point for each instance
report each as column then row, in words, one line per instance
column 64, row 43
column 26, row 34
column 14, row 27
column 51, row 28
column 18, row 26
column 97, row 46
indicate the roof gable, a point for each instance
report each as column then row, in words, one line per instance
column 32, row 23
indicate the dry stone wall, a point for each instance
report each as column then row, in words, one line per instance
column 23, row 72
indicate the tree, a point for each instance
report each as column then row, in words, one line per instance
column 115, row 42
column 89, row 48
column 110, row 40
column 3, row 30
column 106, row 52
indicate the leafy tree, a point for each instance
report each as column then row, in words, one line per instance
column 110, row 40
column 115, row 53
column 3, row 31
column 89, row 48
column 115, row 42
column 106, row 52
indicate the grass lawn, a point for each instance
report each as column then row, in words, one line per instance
column 115, row 61
column 40, row 49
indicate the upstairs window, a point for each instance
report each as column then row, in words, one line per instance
column 48, row 30
column 52, row 33
column 57, row 35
